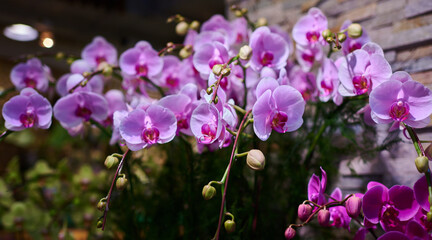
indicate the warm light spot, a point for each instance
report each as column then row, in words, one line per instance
column 48, row 43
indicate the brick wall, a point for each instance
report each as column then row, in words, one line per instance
column 403, row 28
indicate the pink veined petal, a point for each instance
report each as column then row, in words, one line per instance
column 205, row 113
column 290, row 101
column 323, row 180
column 393, row 235
column 65, row 108
column 354, row 64
column 373, row 48
column 132, row 125
column 403, row 199
column 97, row 104
column 261, row 111
column 415, row 230
column 372, row 184
column 176, row 103
column 418, row 123
column 383, row 96
column 373, row 200
column 43, row 110
column 421, row 193
column 419, row 99
column 379, row 70
column 401, row 76
column 13, row 109
column 336, row 194
column 267, row 83
column 164, row 120
column 314, row 188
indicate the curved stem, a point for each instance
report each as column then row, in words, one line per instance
column 85, row 80
column 159, row 89
column 226, row 175
column 5, row 134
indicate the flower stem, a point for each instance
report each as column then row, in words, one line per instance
column 226, row 175
column 159, row 89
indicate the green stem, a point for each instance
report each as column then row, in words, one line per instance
column 239, row 155
column 6, row 91
column 159, row 89
column 98, row 125
column 5, row 134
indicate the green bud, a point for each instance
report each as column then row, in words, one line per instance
column 326, row 33
column 182, row 28
column 245, row 52
column 111, row 161
column 429, row 216
column 99, row 224
column 194, row 25
column 209, row 90
column 229, row 226
column 217, row 69
column 60, row 55
column 121, row 182
column 238, row 13
column 422, row 164
column 186, row 51
column 255, row 159
column 208, row 192
column 226, row 71
column 355, row 30
column 101, row 205
column 329, row 39
column 341, row 37
column 216, row 100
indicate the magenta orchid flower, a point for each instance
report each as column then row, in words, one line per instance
column 141, row 60
column 99, row 51
column 206, row 123
column 29, row 109
column 31, row 74
column 401, row 100
column 317, row 187
column 308, row 55
column 328, row 82
column 392, row 208
column 304, row 82
column 116, row 102
column 363, row 70
column 307, row 31
column 269, row 49
column 143, row 128
column 208, row 55
column 73, row 109
column 338, row 214
column 278, row 108
column 413, row 231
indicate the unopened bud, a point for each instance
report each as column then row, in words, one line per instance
column 244, row 11
column 238, row 13
column 245, row 52
column 261, row 22
column 194, row 25
column 86, row 74
column 217, row 69
column 429, row 216
column 341, row 37
column 111, row 161
column 290, row 233
column 226, row 71
column 326, row 33
column 101, row 205
column 353, row 206
column 99, row 224
column 208, row 192
column 186, row 51
column 229, row 226
column 216, row 100
column 324, row 217
column 422, row 164
column 70, row 60
column 209, row 90
column 304, row 211
column 355, row 30
column 121, row 182
column 329, row 39
column 182, row 28
column 107, row 70
column 255, row 159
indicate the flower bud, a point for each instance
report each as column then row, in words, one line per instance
column 229, row 226
column 355, row 30
column 422, row 164
column 353, row 206
column 326, row 33
column 255, row 159
column 324, row 217
column 182, row 28
column 226, row 71
column 429, row 216
column 194, row 25
column 217, row 69
column 186, row 51
column 261, row 22
column 121, row 182
column 238, row 13
column 216, row 100
column 60, row 55
column 304, row 211
column 208, row 192
column 245, row 52
column 329, row 39
column 107, row 70
column 290, row 233
column 101, row 205
column 209, row 90
column 99, row 224
column 111, row 161
column 341, row 37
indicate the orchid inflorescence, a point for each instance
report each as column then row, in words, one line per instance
column 230, row 75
